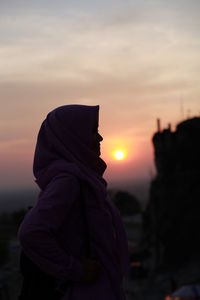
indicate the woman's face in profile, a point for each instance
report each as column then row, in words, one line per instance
column 96, row 139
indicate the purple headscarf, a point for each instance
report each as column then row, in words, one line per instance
column 63, row 147
column 66, row 134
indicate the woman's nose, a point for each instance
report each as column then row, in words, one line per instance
column 100, row 138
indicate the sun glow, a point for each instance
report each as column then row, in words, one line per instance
column 119, row 154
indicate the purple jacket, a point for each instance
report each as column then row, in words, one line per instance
column 53, row 233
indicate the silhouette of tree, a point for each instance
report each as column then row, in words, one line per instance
column 126, row 203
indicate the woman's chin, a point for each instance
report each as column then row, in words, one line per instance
column 98, row 152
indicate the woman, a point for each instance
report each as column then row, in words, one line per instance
column 74, row 233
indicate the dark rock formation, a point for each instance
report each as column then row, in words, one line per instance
column 173, row 211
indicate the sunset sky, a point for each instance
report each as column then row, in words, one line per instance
column 139, row 60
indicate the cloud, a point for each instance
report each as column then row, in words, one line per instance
column 46, row 47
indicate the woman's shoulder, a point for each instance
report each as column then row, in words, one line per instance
column 65, row 177
column 63, row 182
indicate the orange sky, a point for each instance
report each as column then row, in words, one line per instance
column 139, row 60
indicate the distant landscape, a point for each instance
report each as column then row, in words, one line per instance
column 16, row 199
column 13, row 200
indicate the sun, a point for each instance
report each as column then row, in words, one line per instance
column 119, row 154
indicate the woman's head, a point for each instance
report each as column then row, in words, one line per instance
column 70, row 132
column 79, row 120
column 82, row 121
